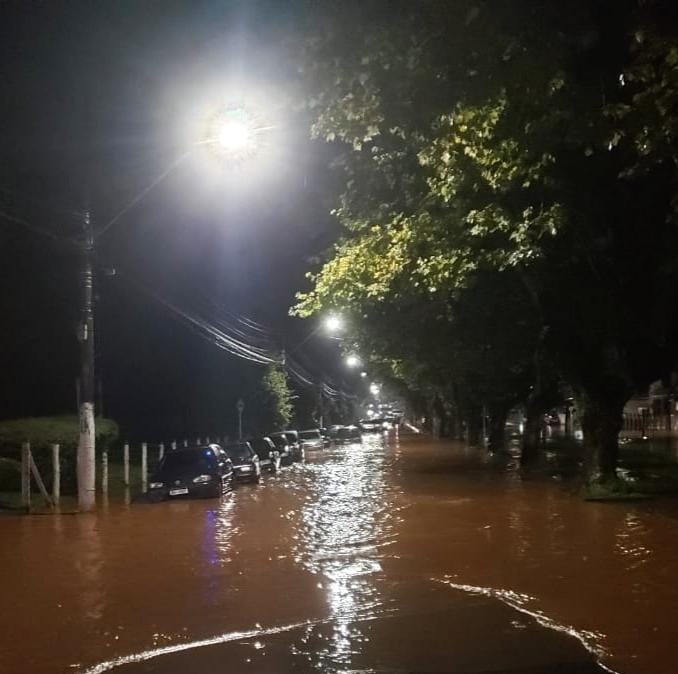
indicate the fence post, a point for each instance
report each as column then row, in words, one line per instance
column 144, row 465
column 161, row 451
column 104, row 472
column 56, row 475
column 173, row 445
column 207, row 440
column 185, row 443
column 125, row 464
column 26, row 475
column 197, row 442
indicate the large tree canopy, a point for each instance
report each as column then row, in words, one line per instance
column 513, row 139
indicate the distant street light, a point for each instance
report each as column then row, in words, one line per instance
column 374, row 389
column 352, row 360
column 333, row 323
column 363, row 374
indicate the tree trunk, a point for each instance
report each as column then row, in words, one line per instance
column 497, row 431
column 437, row 417
column 601, row 423
column 531, row 444
column 474, row 425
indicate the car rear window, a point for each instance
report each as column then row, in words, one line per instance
column 310, row 435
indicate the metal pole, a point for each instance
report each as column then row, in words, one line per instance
column 86, row 466
column 26, row 475
column 125, row 464
column 144, row 465
column 56, row 475
column 104, row 472
column 239, row 424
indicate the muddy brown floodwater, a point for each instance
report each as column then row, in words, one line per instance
column 402, row 554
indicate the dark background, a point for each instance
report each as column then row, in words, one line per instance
column 95, row 97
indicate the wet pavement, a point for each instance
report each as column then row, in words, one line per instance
column 402, row 555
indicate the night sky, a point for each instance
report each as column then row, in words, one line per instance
column 98, row 100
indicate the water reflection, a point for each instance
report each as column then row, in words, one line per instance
column 344, row 521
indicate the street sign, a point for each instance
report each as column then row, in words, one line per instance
column 240, row 405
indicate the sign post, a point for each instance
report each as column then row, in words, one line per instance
column 240, row 406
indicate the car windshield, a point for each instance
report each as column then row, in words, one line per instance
column 238, row 452
column 199, row 460
column 310, row 435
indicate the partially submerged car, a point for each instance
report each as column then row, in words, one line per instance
column 311, row 439
column 198, row 472
column 348, row 434
column 269, row 456
column 296, row 446
column 283, row 446
column 246, row 466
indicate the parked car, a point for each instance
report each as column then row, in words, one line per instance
column 374, row 425
column 200, row 472
column 296, row 448
column 269, row 456
column 326, row 436
column 246, row 466
column 311, row 439
column 283, row 446
column 348, row 434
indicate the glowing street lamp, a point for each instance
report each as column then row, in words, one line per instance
column 352, row 360
column 374, row 389
column 234, row 133
column 234, row 136
column 363, row 374
column 333, row 323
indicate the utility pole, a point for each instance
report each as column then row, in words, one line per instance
column 86, row 461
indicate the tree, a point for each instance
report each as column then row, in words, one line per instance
column 274, row 404
column 483, row 138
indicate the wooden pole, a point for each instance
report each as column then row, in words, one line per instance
column 104, row 472
column 144, row 465
column 26, row 475
column 56, row 475
column 38, row 480
column 125, row 464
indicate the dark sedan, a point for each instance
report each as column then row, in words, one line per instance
column 283, row 446
column 246, row 465
column 296, row 446
column 269, row 456
column 348, row 434
column 200, row 472
column 311, row 439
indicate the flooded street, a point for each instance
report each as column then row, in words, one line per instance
column 404, row 555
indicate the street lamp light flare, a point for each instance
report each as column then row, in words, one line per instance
column 333, row 323
column 363, row 374
column 234, row 136
column 352, row 360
